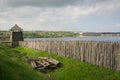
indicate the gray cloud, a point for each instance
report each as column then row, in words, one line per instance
column 41, row 3
column 53, row 14
column 49, row 3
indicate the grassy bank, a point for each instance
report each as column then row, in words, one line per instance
column 13, row 67
column 73, row 69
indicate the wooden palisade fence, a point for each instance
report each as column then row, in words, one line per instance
column 105, row 54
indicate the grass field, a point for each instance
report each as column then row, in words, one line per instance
column 13, row 67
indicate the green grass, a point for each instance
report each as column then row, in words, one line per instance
column 13, row 67
column 73, row 69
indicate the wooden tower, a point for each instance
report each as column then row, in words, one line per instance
column 16, row 35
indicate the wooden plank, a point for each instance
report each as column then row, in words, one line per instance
column 33, row 63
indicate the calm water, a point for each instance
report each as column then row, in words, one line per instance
column 86, row 38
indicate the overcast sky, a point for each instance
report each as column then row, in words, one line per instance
column 61, row 15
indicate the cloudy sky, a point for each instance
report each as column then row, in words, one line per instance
column 61, row 15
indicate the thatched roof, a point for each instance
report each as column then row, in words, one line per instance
column 16, row 28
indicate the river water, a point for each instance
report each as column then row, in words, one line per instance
column 84, row 38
